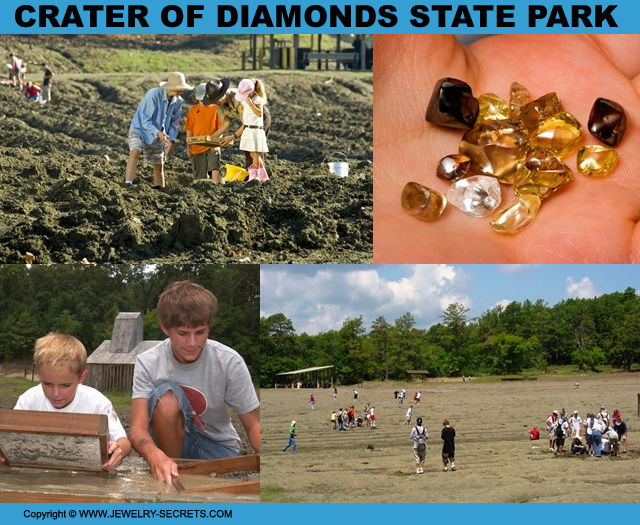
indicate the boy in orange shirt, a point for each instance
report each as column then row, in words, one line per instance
column 203, row 120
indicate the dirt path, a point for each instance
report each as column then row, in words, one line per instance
column 496, row 461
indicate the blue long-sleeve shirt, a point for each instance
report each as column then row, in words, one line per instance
column 155, row 114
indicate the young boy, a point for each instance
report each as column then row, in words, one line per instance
column 61, row 361
column 448, row 436
column 185, row 387
column 154, row 127
column 203, row 120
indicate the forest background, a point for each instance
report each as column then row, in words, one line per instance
column 84, row 300
column 522, row 337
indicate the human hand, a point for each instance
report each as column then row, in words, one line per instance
column 163, row 467
column 116, row 455
column 587, row 221
column 227, row 141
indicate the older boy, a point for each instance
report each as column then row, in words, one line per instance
column 154, row 127
column 185, row 387
column 61, row 361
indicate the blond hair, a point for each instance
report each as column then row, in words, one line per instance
column 185, row 303
column 260, row 90
column 60, row 350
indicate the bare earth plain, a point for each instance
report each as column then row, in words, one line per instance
column 62, row 165
column 495, row 460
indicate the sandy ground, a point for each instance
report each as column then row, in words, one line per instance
column 495, row 460
column 62, row 171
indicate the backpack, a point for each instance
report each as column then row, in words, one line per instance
column 421, row 440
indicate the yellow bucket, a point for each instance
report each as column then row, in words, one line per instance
column 235, row 173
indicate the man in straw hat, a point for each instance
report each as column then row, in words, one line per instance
column 154, row 127
column 219, row 93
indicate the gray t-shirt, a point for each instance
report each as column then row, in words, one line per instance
column 218, row 381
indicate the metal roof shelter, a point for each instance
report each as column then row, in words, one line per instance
column 314, row 377
column 410, row 374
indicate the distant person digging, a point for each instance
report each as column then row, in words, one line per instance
column 230, row 109
column 154, row 128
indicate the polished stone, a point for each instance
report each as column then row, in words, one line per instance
column 597, row 161
column 518, row 216
column 539, row 110
column 422, row 202
column 495, row 148
column 452, row 104
column 559, row 133
column 541, row 174
column 478, row 195
column 607, row 121
column 453, row 167
column 492, row 107
column 518, row 98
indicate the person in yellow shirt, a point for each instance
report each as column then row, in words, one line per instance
column 203, row 121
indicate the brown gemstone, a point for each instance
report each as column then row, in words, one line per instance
column 422, row 202
column 453, row 167
column 518, row 98
column 608, row 121
column 452, row 104
column 539, row 110
column 495, row 148
column 541, row 174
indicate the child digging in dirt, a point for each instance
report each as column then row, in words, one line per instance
column 251, row 95
column 203, row 120
column 154, row 127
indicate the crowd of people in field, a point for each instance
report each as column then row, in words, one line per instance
column 596, row 435
column 32, row 91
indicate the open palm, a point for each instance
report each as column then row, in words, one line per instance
column 586, row 221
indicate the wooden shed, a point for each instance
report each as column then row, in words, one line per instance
column 422, row 374
column 110, row 366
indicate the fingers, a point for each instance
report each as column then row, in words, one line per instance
column 623, row 51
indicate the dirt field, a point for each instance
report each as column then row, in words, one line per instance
column 62, row 167
column 495, row 460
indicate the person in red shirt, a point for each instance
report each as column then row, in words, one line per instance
column 534, row 434
column 203, row 121
column 32, row 92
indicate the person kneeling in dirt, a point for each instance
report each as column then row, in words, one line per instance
column 419, row 434
column 185, row 387
column 32, row 92
column 154, row 127
column 224, row 97
column 577, row 447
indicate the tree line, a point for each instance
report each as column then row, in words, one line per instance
column 84, row 300
column 587, row 333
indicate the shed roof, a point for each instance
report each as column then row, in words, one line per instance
column 102, row 355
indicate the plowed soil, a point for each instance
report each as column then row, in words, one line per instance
column 62, row 168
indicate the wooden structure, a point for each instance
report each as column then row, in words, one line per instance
column 410, row 374
column 53, row 440
column 314, row 377
column 232, row 480
column 110, row 366
column 289, row 54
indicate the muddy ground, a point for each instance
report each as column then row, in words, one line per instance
column 495, row 460
column 62, row 169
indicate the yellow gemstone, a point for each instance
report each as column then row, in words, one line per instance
column 518, row 216
column 559, row 133
column 492, row 107
column 597, row 161
column 541, row 174
column 422, row 202
column 518, row 98
column 539, row 110
column 495, row 148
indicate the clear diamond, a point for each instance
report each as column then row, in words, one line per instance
column 478, row 195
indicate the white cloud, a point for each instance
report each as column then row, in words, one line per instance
column 504, row 303
column 583, row 289
column 322, row 300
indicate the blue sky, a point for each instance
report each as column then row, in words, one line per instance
column 318, row 298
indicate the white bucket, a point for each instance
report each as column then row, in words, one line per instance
column 339, row 168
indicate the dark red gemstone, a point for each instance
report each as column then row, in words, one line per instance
column 452, row 104
column 608, row 121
